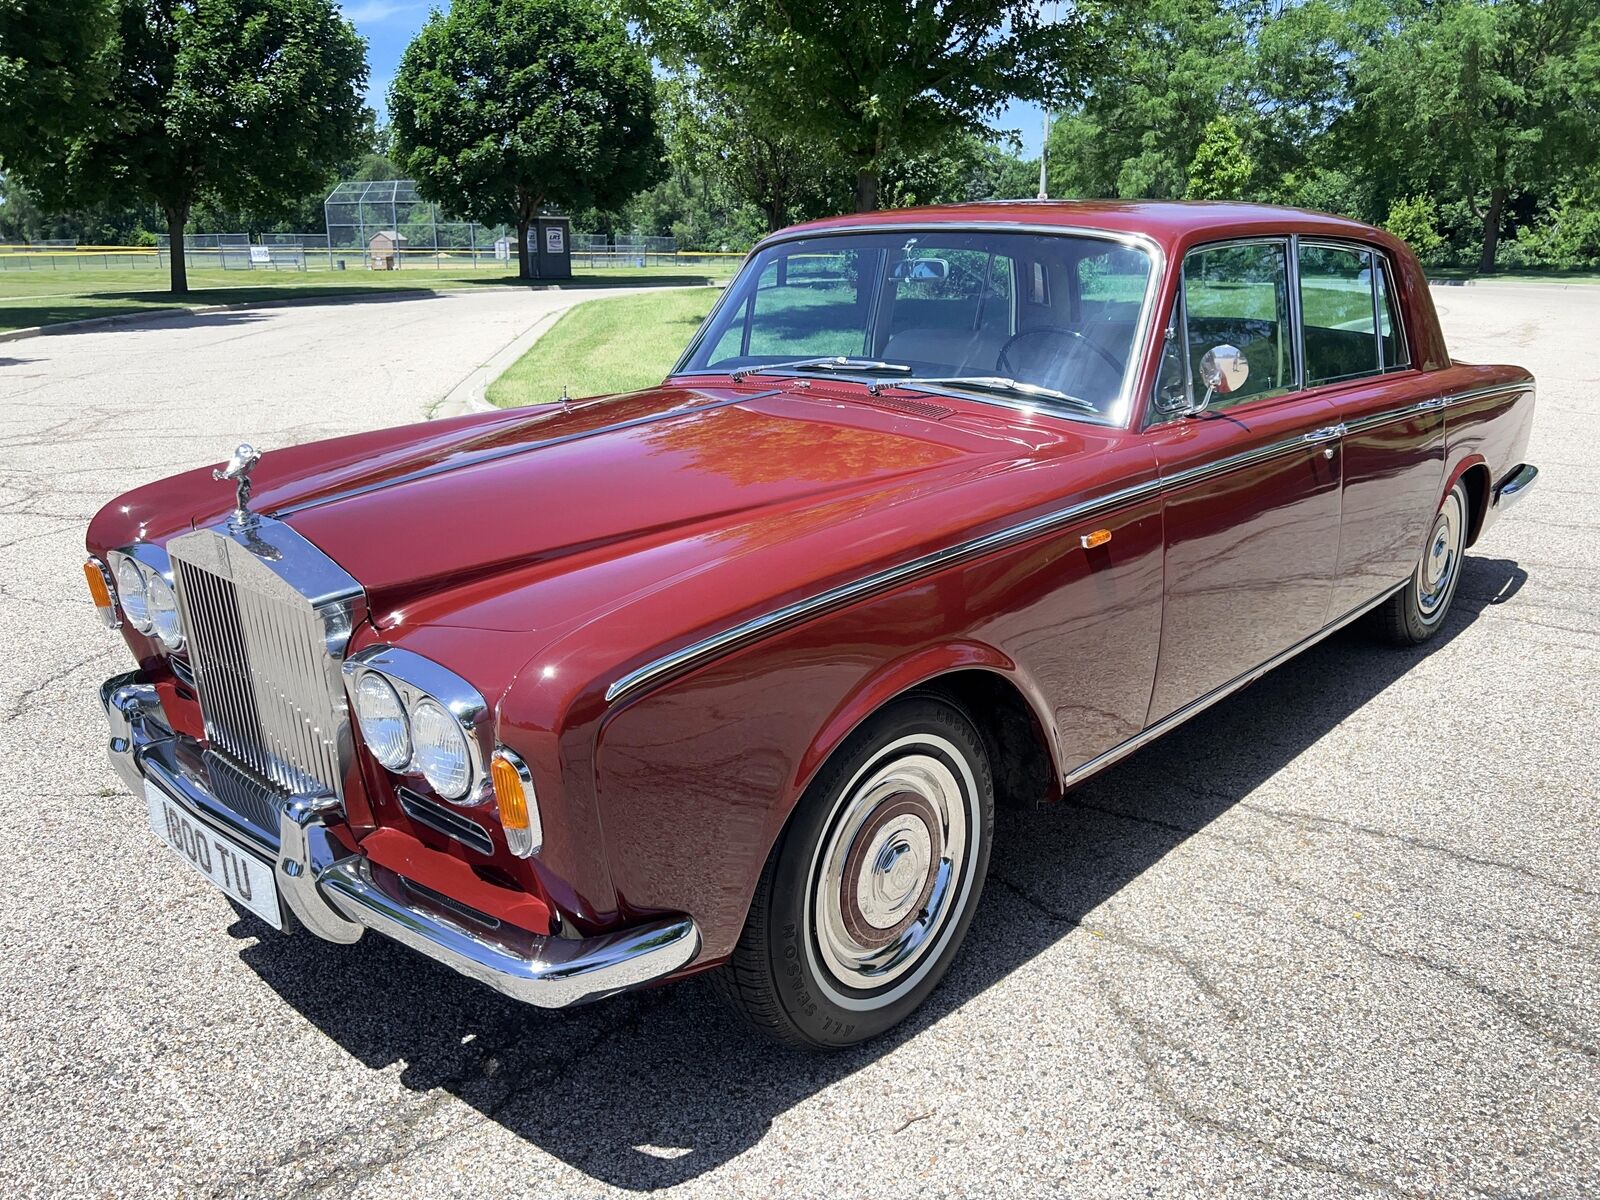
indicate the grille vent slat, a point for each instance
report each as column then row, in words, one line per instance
column 266, row 678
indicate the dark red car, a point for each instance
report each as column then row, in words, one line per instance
column 940, row 508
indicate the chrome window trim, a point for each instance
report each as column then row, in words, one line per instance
column 1121, row 413
column 1179, row 323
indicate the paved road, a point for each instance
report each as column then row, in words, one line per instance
column 1341, row 935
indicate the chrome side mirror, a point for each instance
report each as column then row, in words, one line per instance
column 1222, row 370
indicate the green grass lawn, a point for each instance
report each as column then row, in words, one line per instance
column 50, row 296
column 602, row 346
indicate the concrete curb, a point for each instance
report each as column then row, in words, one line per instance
column 468, row 395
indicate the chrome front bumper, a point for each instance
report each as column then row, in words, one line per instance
column 338, row 895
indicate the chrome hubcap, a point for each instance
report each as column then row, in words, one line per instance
column 1441, row 559
column 882, row 885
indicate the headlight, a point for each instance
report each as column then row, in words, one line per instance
column 131, row 593
column 383, row 721
column 441, row 749
column 163, row 611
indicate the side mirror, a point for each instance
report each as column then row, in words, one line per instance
column 921, row 270
column 1222, row 370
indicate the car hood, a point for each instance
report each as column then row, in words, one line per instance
column 665, row 479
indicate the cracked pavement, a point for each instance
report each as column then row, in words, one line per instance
column 1338, row 936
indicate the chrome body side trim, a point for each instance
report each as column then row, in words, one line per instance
column 845, row 593
column 489, row 456
column 1174, row 719
column 868, row 584
column 1121, row 409
column 338, row 895
column 1515, row 486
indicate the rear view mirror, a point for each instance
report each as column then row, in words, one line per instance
column 921, row 270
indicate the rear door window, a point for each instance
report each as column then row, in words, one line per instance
column 1338, row 313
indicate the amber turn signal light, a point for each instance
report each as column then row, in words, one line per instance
column 519, row 807
column 1098, row 538
column 99, row 579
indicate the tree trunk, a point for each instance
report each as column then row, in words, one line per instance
column 177, row 218
column 1491, row 230
column 867, row 189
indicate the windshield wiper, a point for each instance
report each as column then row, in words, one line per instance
column 987, row 383
column 831, row 362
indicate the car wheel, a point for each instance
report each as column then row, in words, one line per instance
column 868, row 893
column 1417, row 611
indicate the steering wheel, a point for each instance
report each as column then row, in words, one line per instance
column 1003, row 363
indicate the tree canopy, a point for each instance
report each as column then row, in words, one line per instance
column 55, row 58
column 503, row 107
column 245, row 102
column 867, row 82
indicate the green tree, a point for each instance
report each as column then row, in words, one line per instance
column 1415, row 221
column 502, row 107
column 242, row 102
column 1222, row 168
column 869, row 82
column 55, row 58
column 1481, row 104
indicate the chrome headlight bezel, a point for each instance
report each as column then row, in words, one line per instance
column 418, row 680
column 147, row 594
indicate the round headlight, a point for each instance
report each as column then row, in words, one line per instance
column 164, row 611
column 383, row 721
column 442, row 754
column 131, row 593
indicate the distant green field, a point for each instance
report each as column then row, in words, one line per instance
column 50, row 296
column 601, row 346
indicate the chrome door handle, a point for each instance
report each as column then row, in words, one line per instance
column 1436, row 402
column 1327, row 433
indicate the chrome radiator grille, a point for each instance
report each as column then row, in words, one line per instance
column 266, row 640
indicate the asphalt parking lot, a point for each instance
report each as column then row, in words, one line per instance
column 1338, row 936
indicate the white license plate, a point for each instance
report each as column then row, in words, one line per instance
column 221, row 860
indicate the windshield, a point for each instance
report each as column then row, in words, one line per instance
column 1039, row 319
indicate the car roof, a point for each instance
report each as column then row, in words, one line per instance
column 1174, row 224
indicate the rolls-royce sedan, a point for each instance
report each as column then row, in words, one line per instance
column 940, row 509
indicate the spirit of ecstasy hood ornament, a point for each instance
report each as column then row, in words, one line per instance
column 245, row 457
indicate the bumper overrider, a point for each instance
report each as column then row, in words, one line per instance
column 338, row 895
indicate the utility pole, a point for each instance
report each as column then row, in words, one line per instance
column 1044, row 150
column 1044, row 146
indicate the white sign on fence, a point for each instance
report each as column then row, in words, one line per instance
column 261, row 255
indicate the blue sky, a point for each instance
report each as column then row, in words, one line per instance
column 389, row 24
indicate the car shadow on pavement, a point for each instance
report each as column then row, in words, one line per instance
column 652, row 1089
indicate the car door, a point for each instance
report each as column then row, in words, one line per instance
column 1251, row 506
column 1356, row 354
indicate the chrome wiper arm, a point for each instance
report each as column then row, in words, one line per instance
column 829, row 362
column 987, row 383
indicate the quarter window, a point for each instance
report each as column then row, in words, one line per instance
column 1390, row 334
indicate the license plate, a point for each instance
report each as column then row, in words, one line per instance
column 223, row 861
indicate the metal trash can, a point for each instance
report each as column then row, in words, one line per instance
column 550, row 248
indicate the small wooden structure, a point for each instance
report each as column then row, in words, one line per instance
column 383, row 250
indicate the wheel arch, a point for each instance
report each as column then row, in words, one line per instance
column 1473, row 473
column 1002, row 702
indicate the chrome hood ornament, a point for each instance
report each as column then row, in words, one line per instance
column 245, row 457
